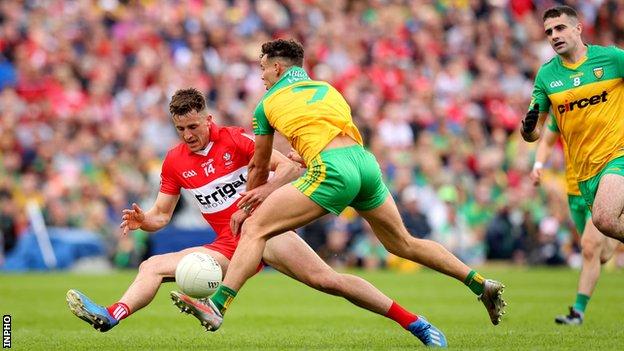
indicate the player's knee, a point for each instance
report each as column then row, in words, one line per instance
column 396, row 250
column 150, row 266
column 400, row 246
column 590, row 250
column 251, row 229
column 590, row 245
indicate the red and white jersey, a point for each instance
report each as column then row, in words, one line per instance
column 215, row 176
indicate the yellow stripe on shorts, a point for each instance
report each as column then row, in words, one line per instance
column 303, row 182
column 299, row 182
column 318, row 175
column 306, row 180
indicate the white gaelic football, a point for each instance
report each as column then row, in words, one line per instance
column 198, row 274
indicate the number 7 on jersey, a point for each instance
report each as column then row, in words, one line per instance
column 319, row 94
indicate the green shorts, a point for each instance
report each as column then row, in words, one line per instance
column 579, row 211
column 341, row 177
column 589, row 187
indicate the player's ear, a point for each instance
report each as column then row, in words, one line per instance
column 578, row 26
column 279, row 68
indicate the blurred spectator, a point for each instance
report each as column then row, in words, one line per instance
column 456, row 233
column 368, row 250
column 415, row 220
column 315, row 234
column 546, row 249
column 8, row 226
column 504, row 236
column 335, row 250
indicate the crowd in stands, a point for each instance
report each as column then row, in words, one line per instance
column 438, row 89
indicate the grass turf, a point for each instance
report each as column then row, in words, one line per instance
column 276, row 313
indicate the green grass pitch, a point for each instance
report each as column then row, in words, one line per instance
column 274, row 312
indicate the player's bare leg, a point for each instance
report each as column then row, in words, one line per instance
column 154, row 270
column 608, row 207
column 591, row 245
column 285, row 209
column 596, row 249
column 289, row 254
column 386, row 222
column 152, row 273
column 388, row 226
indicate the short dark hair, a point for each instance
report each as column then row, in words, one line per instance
column 288, row 50
column 185, row 101
column 557, row 11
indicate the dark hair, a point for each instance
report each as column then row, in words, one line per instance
column 185, row 101
column 288, row 50
column 557, row 11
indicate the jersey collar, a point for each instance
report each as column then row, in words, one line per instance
column 292, row 75
column 214, row 136
column 576, row 64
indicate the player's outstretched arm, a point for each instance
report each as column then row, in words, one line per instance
column 532, row 124
column 154, row 219
column 544, row 148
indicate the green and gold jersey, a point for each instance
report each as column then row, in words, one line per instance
column 308, row 113
column 570, row 175
column 587, row 100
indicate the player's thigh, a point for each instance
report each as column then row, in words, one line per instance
column 284, row 209
column 166, row 264
column 609, row 199
column 387, row 224
column 289, row 254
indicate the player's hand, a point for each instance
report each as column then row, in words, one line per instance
column 536, row 175
column 131, row 218
column 530, row 120
column 294, row 156
column 254, row 197
column 237, row 219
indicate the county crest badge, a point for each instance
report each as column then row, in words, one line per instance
column 598, row 72
column 227, row 157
